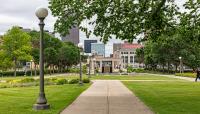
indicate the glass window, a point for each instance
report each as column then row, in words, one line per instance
column 131, row 59
column 126, row 59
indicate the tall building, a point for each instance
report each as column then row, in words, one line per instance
column 98, row 48
column 87, row 45
column 73, row 36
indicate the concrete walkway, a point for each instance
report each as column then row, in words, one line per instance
column 107, row 97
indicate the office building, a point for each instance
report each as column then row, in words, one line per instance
column 73, row 36
column 87, row 45
column 98, row 48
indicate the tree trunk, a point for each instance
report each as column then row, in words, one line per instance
column 168, row 66
column 50, row 69
column 35, row 69
column 163, row 68
column 176, row 68
column 15, row 67
column 53, row 69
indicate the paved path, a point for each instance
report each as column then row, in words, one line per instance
column 107, row 97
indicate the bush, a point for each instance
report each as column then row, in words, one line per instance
column 129, row 69
column 139, row 70
column 26, row 80
column 73, row 81
column 61, row 81
column 86, row 80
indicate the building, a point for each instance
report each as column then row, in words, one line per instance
column 126, row 52
column 98, row 48
column 103, row 64
column 73, row 36
column 87, row 45
column 116, row 46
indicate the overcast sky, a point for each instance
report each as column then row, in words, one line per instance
column 22, row 13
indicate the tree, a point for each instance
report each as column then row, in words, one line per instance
column 68, row 56
column 17, row 46
column 140, row 55
column 49, row 42
column 124, row 19
column 5, row 62
column 36, row 57
column 51, row 57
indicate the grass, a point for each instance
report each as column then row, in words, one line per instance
column 192, row 75
column 105, row 77
column 21, row 100
column 168, row 97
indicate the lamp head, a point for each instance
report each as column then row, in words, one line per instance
column 180, row 57
column 41, row 13
column 80, row 45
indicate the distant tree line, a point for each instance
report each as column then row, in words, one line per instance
column 18, row 47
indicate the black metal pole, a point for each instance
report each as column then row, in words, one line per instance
column 41, row 101
column 89, row 67
column 80, row 81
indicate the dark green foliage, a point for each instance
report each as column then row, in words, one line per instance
column 124, row 19
column 61, row 81
column 73, row 81
column 86, row 80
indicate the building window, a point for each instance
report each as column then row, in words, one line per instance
column 121, row 52
column 131, row 59
column 122, row 58
column 131, row 52
column 126, row 59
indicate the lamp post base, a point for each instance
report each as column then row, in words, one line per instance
column 81, row 83
column 41, row 106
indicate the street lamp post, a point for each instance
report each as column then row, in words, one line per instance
column 80, row 45
column 94, row 60
column 41, row 103
column 89, row 74
column 180, row 58
column 31, row 68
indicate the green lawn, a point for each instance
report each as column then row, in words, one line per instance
column 168, row 97
column 106, row 77
column 20, row 100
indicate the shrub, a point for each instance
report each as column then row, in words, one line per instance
column 139, row 70
column 86, row 80
column 73, row 81
column 129, row 69
column 26, row 80
column 61, row 81
column 15, row 81
column 53, row 79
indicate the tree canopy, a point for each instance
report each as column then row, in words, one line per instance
column 16, row 46
column 124, row 19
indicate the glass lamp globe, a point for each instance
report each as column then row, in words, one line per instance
column 80, row 45
column 41, row 13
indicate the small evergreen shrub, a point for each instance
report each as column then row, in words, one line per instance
column 73, row 81
column 61, row 81
column 86, row 80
